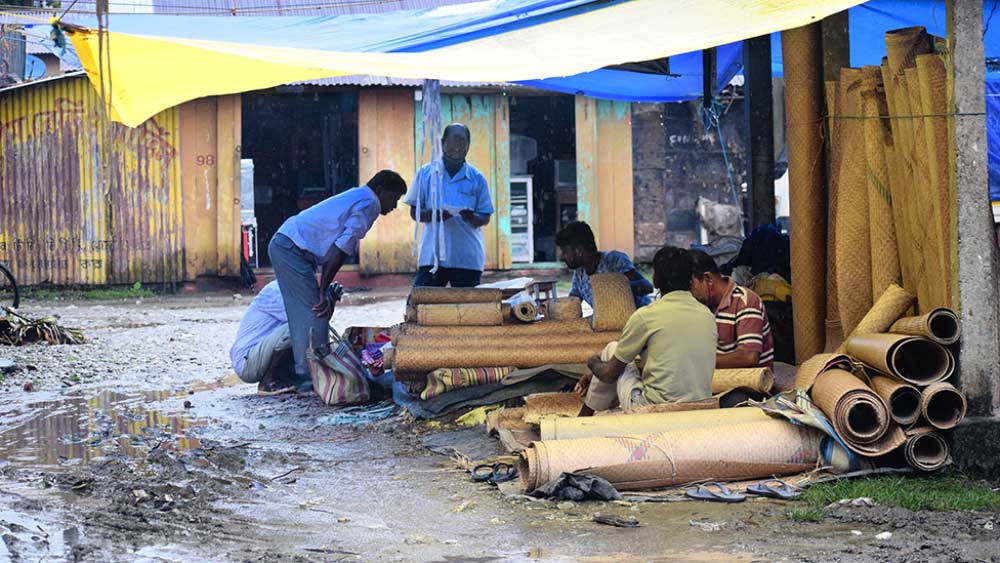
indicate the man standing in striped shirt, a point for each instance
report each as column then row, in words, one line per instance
column 744, row 333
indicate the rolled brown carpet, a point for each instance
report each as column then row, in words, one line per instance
column 925, row 449
column 892, row 305
column 854, row 259
column 755, row 379
column 940, row 325
column 913, row 359
column 451, row 295
column 903, row 399
column 815, row 366
column 943, row 406
column 802, row 52
column 564, row 308
column 429, row 358
column 719, row 453
column 613, row 301
column 460, row 314
column 543, row 328
column 474, row 341
column 857, row 413
column 632, row 424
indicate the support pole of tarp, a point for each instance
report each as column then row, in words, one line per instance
column 759, row 112
column 802, row 52
column 977, row 246
column 709, row 74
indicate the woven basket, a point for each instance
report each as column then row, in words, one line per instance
column 925, row 449
column 943, row 406
column 893, row 304
column 903, row 399
column 446, row 295
column 756, row 379
column 913, row 359
column 858, row 414
column 460, row 314
column 564, row 308
column 631, row 424
column 718, row 453
column 940, row 325
column 802, row 52
column 613, row 301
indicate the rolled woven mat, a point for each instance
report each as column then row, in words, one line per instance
column 541, row 406
column 832, row 203
column 411, row 311
column 834, row 336
column 815, row 366
column 802, row 51
column 660, row 408
column 913, row 359
column 940, row 325
column 429, row 358
column 594, row 339
column 719, row 453
column 631, row 424
column 878, row 140
column 925, row 449
column 903, row 399
column 854, row 260
column 857, row 413
column 613, row 301
column 543, row 328
column 446, row 295
column 563, row 308
column 525, row 309
column 892, row 305
column 942, row 405
column 756, row 379
column 460, row 314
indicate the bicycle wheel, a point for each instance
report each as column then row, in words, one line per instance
column 10, row 295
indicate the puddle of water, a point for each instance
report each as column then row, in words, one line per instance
column 77, row 428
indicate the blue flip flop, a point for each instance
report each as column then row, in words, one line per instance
column 717, row 493
column 775, row 488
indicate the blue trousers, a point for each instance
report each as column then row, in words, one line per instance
column 457, row 277
column 295, row 270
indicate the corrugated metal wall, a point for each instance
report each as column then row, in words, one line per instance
column 82, row 200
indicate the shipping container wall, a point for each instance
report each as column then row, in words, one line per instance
column 83, row 200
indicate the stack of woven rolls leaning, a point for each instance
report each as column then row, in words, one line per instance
column 881, row 400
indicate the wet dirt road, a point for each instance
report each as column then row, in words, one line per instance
column 142, row 446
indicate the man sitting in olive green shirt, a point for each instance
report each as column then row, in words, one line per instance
column 675, row 336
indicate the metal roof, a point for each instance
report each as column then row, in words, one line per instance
column 237, row 7
column 366, row 80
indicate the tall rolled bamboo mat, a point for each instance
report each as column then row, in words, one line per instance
column 893, row 304
column 854, row 260
column 564, row 308
column 559, row 340
column 913, row 359
column 903, row 399
column 429, row 358
column 858, row 414
column 631, row 424
column 756, row 379
column 943, row 406
column 718, row 453
column 940, row 325
column 925, row 449
column 878, row 140
column 452, row 295
column 802, row 52
column 460, row 314
column 543, row 328
column 833, row 109
column 613, row 301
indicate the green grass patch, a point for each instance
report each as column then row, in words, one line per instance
column 941, row 493
column 135, row 291
column 805, row 514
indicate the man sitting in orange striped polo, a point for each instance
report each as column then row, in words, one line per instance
column 745, row 339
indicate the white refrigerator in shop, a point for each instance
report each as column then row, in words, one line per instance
column 522, row 235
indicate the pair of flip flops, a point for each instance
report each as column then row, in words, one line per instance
column 494, row 473
column 717, row 492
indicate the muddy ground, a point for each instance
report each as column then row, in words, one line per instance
column 142, row 446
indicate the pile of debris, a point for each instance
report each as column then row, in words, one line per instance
column 18, row 330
